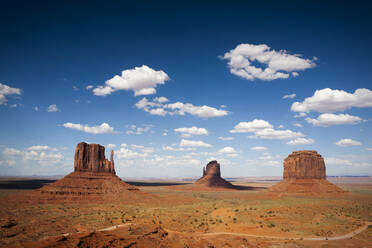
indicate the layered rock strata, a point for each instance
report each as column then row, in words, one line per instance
column 305, row 173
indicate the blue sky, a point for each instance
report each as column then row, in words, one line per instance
column 194, row 82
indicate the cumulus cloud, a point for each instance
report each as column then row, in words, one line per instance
column 301, row 141
column 101, row 129
column 89, row 87
column 133, row 129
column 226, row 138
column 52, row 108
column 259, row 148
column 289, row 96
column 159, row 107
column 177, row 149
column 296, row 124
column 110, row 146
column 40, row 148
column 6, row 90
column 277, row 64
column 12, row 152
column 328, row 100
column 227, row 149
column 42, row 154
column 348, row 142
column 194, row 143
column 142, row 80
column 187, row 132
column 345, row 162
column 264, row 130
column 328, row 119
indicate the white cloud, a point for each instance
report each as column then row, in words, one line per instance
column 345, row 162
column 40, row 148
column 42, row 154
column 226, row 138
column 187, row 132
column 101, row 129
column 301, row 141
column 259, row 148
column 227, row 149
column 278, row 64
column 327, row 120
column 161, row 99
column 52, row 108
column 194, row 143
column 142, row 80
column 124, row 153
column 133, row 129
column 251, row 127
column 6, row 90
column 36, row 108
column 328, row 100
column 177, row 149
column 75, row 88
column 297, row 124
column 302, row 114
column 89, row 87
column 110, row 146
column 264, row 130
column 158, row 111
column 12, row 152
column 281, row 126
column 369, row 148
column 159, row 107
column 289, row 96
column 348, row 142
column 102, row 90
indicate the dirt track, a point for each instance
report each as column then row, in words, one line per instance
column 345, row 236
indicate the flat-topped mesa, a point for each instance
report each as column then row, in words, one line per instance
column 91, row 158
column 304, row 165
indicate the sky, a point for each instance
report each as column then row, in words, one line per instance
column 170, row 86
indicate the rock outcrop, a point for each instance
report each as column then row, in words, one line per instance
column 93, row 179
column 212, row 177
column 91, row 158
column 304, row 165
column 305, row 173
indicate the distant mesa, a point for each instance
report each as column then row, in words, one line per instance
column 94, row 178
column 212, row 177
column 305, row 173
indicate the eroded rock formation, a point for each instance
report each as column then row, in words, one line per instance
column 305, row 173
column 304, row 165
column 91, row 158
column 93, row 179
column 212, row 176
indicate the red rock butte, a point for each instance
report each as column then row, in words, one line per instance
column 93, row 179
column 305, row 173
column 212, row 177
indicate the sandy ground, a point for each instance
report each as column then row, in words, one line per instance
column 188, row 216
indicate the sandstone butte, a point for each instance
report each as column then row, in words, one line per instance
column 212, row 177
column 94, row 178
column 305, row 173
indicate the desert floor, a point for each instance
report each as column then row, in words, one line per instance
column 187, row 216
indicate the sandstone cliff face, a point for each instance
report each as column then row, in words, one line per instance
column 305, row 174
column 304, row 165
column 93, row 180
column 212, row 176
column 91, row 158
